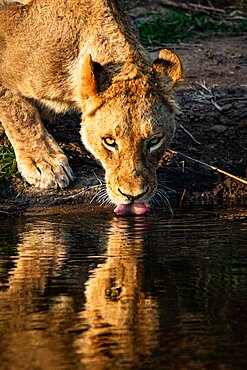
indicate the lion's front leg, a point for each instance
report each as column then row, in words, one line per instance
column 40, row 160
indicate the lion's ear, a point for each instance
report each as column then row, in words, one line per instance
column 88, row 86
column 88, row 81
column 168, row 69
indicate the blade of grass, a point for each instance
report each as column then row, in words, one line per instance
column 240, row 179
column 8, row 166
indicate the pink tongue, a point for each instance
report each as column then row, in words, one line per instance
column 128, row 209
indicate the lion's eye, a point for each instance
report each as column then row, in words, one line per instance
column 154, row 142
column 109, row 143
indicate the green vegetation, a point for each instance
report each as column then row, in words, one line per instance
column 8, row 167
column 172, row 27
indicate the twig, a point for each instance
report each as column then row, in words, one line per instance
column 216, row 105
column 207, row 94
column 190, row 135
column 233, row 99
column 97, row 177
column 182, row 197
column 5, row 213
column 210, row 166
column 192, row 7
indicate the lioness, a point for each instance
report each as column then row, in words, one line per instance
column 86, row 55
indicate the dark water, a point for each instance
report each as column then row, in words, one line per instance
column 93, row 291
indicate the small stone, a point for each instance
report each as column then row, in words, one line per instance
column 219, row 128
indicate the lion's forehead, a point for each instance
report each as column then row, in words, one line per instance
column 133, row 116
column 140, row 125
column 139, row 90
column 127, row 130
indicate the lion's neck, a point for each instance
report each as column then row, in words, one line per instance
column 109, row 34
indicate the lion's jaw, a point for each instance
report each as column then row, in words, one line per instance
column 129, row 143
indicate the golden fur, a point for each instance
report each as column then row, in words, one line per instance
column 85, row 55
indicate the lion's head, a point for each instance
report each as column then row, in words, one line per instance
column 129, row 125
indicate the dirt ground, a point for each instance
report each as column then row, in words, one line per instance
column 211, row 128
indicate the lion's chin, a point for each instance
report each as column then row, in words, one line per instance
column 131, row 209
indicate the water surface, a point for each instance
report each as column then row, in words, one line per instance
column 89, row 290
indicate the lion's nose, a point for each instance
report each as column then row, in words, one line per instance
column 132, row 196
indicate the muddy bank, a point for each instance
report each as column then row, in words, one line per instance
column 211, row 128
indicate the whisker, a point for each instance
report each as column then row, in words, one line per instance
column 108, row 202
column 162, row 199
column 100, row 193
column 156, row 202
column 102, row 197
column 96, row 196
column 167, row 188
column 167, row 202
column 104, row 203
column 102, row 200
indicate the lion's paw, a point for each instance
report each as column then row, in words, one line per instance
column 44, row 170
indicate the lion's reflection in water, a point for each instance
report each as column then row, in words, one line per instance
column 28, row 315
column 122, row 319
column 79, row 292
column 60, row 311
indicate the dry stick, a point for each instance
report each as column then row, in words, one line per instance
column 5, row 213
column 209, row 166
column 209, row 96
column 216, row 105
column 191, row 7
column 233, row 99
column 190, row 135
column 182, row 197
